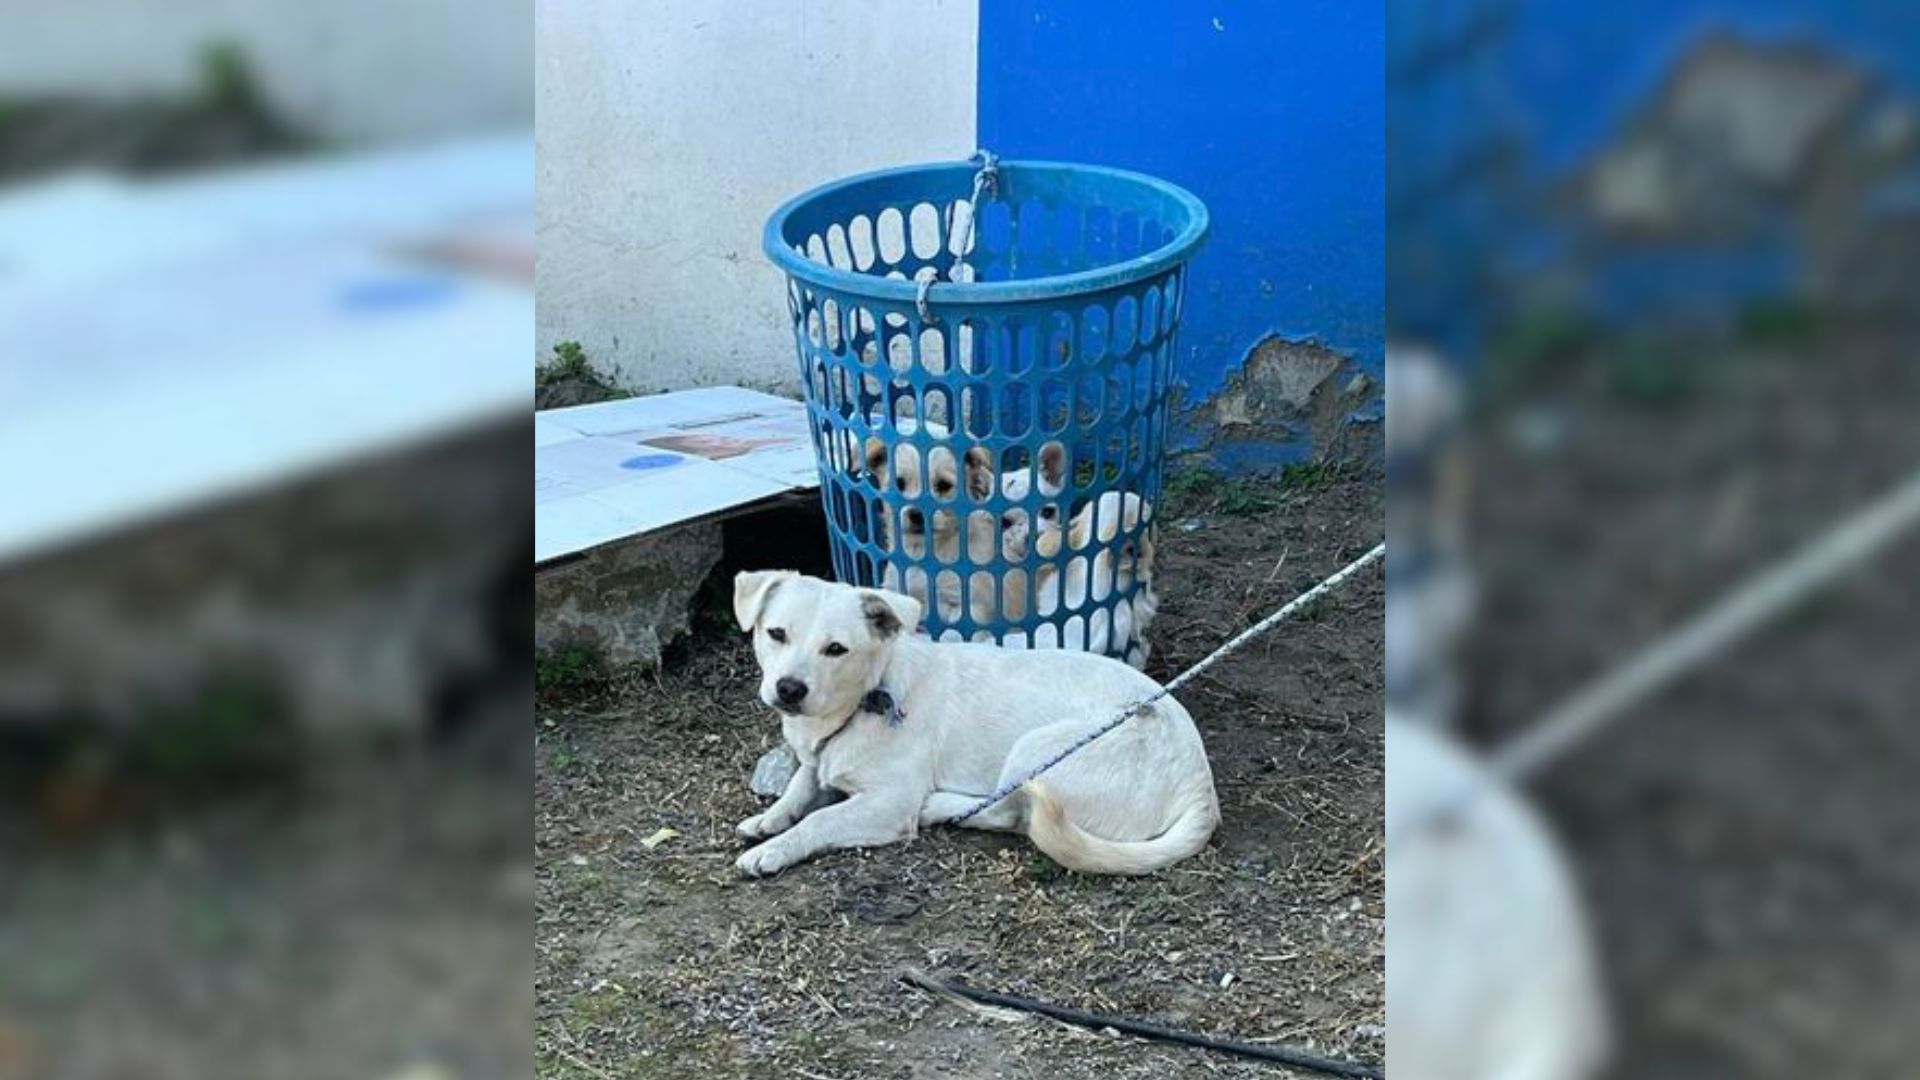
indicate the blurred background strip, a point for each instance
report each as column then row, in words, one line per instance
column 1652, row 269
column 266, row 300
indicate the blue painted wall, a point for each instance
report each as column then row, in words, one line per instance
column 1450, row 130
column 1559, row 79
column 1272, row 113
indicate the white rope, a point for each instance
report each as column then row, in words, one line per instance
column 924, row 283
column 986, row 180
column 1339, row 578
column 1757, row 601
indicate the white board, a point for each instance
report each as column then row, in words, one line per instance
column 619, row 469
column 165, row 345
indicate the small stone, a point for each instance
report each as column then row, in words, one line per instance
column 773, row 771
column 1539, row 430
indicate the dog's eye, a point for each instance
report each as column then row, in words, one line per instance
column 1006, row 521
column 1049, row 512
column 777, row 634
column 943, row 488
column 834, row 648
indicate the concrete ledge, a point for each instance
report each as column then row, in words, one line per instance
column 349, row 602
column 625, row 601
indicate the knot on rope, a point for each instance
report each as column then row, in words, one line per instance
column 924, row 281
column 988, row 179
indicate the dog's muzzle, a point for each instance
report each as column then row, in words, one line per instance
column 788, row 693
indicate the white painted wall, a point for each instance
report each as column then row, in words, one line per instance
column 667, row 131
column 355, row 70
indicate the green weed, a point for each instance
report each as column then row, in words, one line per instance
column 227, row 82
column 1303, row 475
column 568, row 668
column 1781, row 321
column 1646, row 372
column 1243, row 498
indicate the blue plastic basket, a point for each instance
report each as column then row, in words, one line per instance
column 1001, row 355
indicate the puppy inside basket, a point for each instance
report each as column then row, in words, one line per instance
column 1105, row 570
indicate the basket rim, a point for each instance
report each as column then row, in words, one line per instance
column 966, row 294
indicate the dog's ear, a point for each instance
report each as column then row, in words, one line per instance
column 888, row 612
column 980, row 476
column 876, row 456
column 751, row 591
column 1053, row 464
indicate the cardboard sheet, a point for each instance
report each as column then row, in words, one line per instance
column 630, row 467
column 216, row 335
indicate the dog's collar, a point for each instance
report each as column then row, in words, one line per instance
column 881, row 702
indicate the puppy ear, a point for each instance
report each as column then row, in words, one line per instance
column 888, row 613
column 1053, row 464
column 751, row 591
column 980, row 472
column 1080, row 527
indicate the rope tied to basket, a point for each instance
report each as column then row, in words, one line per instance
column 986, row 181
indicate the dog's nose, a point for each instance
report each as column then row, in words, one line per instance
column 790, row 691
column 913, row 519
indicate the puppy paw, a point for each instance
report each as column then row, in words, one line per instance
column 763, row 860
column 763, row 824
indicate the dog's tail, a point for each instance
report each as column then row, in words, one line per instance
column 1077, row 849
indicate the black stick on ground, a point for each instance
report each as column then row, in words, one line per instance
column 1282, row 1055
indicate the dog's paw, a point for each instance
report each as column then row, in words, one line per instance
column 763, row 860
column 763, row 824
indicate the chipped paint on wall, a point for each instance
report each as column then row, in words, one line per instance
column 1289, row 399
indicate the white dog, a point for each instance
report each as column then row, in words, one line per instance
column 914, row 731
column 1492, row 975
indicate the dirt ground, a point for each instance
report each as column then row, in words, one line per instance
column 216, row 865
column 1749, row 840
column 364, row 918
column 658, row 962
